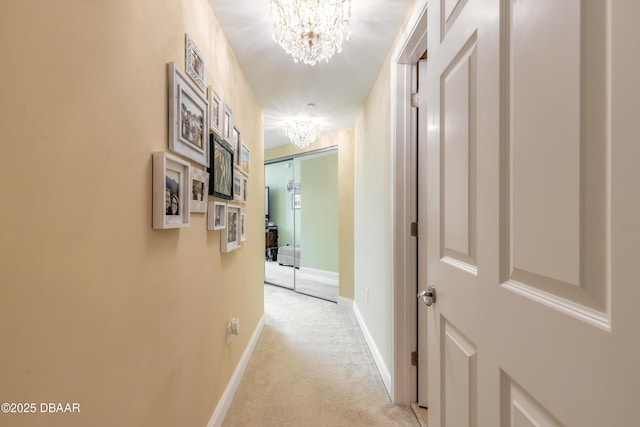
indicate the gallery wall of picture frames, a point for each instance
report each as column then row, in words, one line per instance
column 208, row 164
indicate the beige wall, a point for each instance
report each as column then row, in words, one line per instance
column 373, row 211
column 97, row 307
column 344, row 140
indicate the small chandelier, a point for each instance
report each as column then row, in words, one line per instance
column 311, row 30
column 301, row 132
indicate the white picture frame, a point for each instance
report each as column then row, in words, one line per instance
column 194, row 62
column 245, row 189
column 217, row 215
column 227, row 124
column 237, row 186
column 243, row 225
column 237, row 147
column 171, row 189
column 296, row 201
column 216, row 111
column 245, row 160
column 188, row 118
column 199, row 190
column 230, row 238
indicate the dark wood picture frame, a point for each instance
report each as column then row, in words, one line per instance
column 221, row 169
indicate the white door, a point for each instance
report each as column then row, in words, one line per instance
column 532, row 205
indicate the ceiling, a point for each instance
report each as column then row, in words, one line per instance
column 283, row 88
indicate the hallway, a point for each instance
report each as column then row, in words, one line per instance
column 312, row 367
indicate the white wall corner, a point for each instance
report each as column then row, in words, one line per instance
column 377, row 357
column 227, row 397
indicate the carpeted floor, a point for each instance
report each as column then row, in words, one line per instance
column 312, row 367
column 305, row 281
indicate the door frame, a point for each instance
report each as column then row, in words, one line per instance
column 408, row 51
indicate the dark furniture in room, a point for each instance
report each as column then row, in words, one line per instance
column 271, row 243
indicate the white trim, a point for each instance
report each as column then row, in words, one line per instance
column 377, row 357
column 407, row 52
column 333, row 275
column 345, row 302
column 227, row 397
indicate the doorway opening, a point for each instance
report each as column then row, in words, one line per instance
column 404, row 122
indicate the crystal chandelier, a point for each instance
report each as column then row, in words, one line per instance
column 301, row 132
column 311, row 30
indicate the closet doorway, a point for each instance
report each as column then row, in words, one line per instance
column 301, row 223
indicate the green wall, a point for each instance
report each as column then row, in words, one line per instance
column 319, row 213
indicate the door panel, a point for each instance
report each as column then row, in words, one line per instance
column 521, row 410
column 528, row 200
column 545, row 193
column 458, row 160
column 556, row 206
column 459, row 377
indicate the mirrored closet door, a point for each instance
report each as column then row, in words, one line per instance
column 303, row 211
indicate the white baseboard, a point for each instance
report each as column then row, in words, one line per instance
column 227, row 397
column 377, row 357
column 333, row 275
column 345, row 302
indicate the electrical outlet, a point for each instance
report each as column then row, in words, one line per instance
column 233, row 328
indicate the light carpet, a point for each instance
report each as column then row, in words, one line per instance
column 312, row 367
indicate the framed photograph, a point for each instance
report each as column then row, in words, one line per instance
column 237, row 152
column 217, row 215
column 227, row 124
column 171, row 189
column 221, row 170
column 243, row 228
column 194, row 61
column 237, row 187
column 199, row 190
column 245, row 158
column 188, row 118
column 230, row 238
column 216, row 108
column 245, row 189
column 235, row 135
column 296, row 201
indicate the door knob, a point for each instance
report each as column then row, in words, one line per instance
column 428, row 296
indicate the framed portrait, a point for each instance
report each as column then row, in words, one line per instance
column 194, row 61
column 243, row 225
column 199, row 190
column 171, row 189
column 227, row 124
column 216, row 108
column 245, row 158
column 296, row 201
column 188, row 118
column 237, row 187
column 221, row 169
column 245, row 189
column 230, row 237
column 217, row 215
